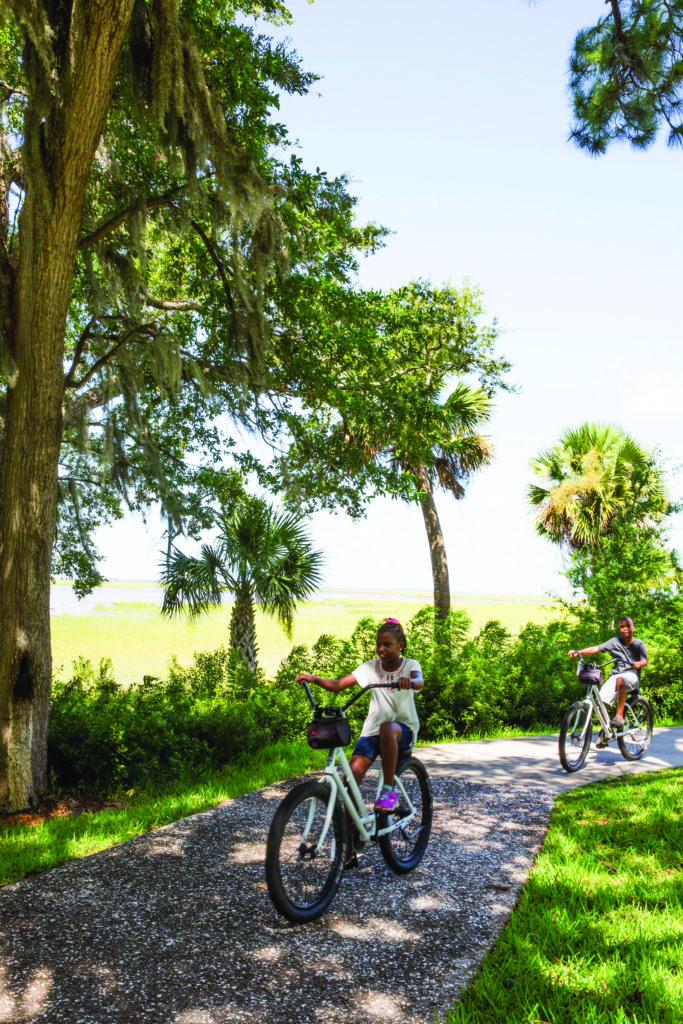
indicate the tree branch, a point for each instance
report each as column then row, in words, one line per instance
column 211, row 249
column 618, row 23
column 92, row 399
column 140, row 204
column 80, row 345
column 169, row 305
column 12, row 90
column 149, row 329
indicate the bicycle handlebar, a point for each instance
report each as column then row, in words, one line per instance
column 591, row 664
column 357, row 696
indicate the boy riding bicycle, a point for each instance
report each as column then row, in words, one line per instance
column 630, row 657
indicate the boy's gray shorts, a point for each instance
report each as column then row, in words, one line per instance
column 608, row 691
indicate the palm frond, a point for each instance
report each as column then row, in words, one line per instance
column 191, row 584
column 593, row 472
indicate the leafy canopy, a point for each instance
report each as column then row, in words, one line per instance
column 199, row 225
column 372, row 407
column 593, row 474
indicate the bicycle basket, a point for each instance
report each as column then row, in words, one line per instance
column 329, row 728
column 591, row 676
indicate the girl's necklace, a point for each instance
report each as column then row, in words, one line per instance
column 389, row 676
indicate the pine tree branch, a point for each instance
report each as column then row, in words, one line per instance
column 618, row 23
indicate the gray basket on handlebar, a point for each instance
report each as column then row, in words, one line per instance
column 329, row 728
column 591, row 676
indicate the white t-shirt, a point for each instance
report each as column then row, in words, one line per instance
column 388, row 705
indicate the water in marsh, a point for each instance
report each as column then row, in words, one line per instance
column 63, row 601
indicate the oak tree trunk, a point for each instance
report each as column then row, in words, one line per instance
column 437, row 548
column 57, row 168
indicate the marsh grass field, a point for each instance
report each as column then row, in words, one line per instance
column 139, row 641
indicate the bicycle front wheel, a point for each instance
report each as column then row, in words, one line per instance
column 403, row 848
column 576, row 734
column 637, row 734
column 304, row 851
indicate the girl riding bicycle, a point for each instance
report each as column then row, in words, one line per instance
column 392, row 724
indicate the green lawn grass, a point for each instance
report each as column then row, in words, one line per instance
column 139, row 642
column 597, row 934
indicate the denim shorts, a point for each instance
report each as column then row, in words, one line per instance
column 368, row 746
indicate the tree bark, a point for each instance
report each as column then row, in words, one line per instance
column 57, row 169
column 243, row 628
column 437, row 547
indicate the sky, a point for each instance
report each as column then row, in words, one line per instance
column 451, row 119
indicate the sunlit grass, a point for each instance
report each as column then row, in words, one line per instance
column 598, row 931
column 28, row 848
column 139, row 642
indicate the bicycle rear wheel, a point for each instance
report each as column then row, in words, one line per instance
column 303, row 859
column 403, row 848
column 576, row 734
column 637, row 728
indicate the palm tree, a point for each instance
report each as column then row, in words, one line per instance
column 261, row 556
column 594, row 473
column 455, row 452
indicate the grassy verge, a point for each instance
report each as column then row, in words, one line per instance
column 597, row 934
column 25, row 848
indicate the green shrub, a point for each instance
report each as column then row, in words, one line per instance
column 104, row 737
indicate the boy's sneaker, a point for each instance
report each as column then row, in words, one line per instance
column 617, row 722
column 387, row 801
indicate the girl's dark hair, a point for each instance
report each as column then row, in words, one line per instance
column 395, row 627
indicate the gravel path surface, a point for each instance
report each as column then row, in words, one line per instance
column 176, row 927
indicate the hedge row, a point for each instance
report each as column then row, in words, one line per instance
column 105, row 738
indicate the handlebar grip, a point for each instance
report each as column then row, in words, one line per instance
column 308, row 692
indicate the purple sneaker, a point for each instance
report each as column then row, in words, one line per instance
column 387, row 801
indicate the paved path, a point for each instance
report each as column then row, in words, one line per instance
column 534, row 760
column 175, row 927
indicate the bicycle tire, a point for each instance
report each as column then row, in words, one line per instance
column 572, row 748
column 638, row 715
column 302, row 882
column 404, row 848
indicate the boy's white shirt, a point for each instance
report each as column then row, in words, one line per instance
column 388, row 705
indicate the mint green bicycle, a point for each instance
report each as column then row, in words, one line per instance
column 576, row 731
column 308, row 833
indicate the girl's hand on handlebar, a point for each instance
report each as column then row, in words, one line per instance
column 305, row 677
column 573, row 654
